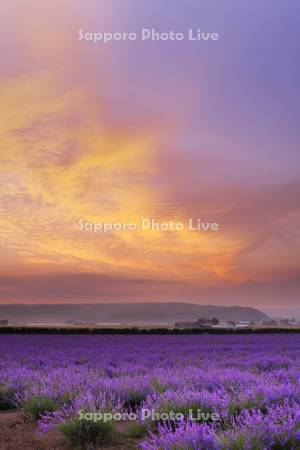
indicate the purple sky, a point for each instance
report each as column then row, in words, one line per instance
column 169, row 130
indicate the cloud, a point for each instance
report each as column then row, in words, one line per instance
column 97, row 288
column 88, row 133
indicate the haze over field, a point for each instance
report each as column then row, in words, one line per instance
column 122, row 131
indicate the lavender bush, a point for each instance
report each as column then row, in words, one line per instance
column 251, row 382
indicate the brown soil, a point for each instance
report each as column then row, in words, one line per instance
column 17, row 432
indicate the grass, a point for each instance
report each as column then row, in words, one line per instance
column 83, row 434
column 39, row 405
column 136, row 430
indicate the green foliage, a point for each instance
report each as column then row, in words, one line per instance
column 83, row 434
column 134, row 399
column 38, row 405
column 6, row 398
column 157, row 386
column 136, row 430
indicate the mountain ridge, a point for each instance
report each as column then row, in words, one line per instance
column 122, row 313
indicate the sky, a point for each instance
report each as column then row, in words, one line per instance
column 169, row 130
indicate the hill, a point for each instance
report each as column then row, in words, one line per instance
column 124, row 312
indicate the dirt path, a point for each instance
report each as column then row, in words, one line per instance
column 19, row 433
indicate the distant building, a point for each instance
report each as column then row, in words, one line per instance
column 204, row 323
column 244, row 324
column 192, row 325
column 270, row 323
column 226, row 325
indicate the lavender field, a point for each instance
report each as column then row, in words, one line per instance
column 247, row 387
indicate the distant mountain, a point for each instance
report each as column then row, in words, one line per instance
column 124, row 312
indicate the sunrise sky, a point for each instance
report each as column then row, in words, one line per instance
column 166, row 130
